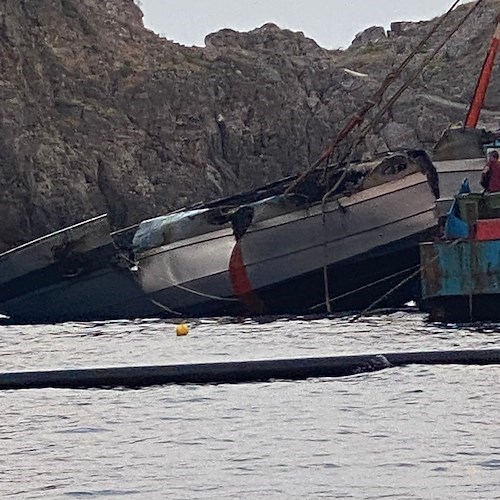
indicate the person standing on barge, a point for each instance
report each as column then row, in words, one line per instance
column 490, row 177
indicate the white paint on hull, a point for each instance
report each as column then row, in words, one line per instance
column 291, row 244
column 281, row 249
column 194, row 260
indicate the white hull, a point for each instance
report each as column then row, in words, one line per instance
column 189, row 273
column 292, row 245
column 194, row 274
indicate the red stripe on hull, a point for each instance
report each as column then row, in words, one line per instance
column 242, row 287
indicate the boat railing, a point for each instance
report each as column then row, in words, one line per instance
column 42, row 239
column 474, row 206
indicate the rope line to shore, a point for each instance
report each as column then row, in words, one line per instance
column 401, row 283
column 364, row 287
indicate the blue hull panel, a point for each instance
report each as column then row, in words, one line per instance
column 461, row 280
column 460, row 268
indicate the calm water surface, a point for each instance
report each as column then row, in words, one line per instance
column 403, row 433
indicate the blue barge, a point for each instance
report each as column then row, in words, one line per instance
column 461, row 273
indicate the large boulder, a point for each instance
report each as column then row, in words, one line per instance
column 369, row 35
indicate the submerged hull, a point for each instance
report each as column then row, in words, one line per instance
column 106, row 294
column 71, row 275
column 354, row 284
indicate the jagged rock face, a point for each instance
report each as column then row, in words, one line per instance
column 99, row 114
column 370, row 35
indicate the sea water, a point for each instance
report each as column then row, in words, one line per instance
column 427, row 432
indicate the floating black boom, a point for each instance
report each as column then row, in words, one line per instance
column 240, row 371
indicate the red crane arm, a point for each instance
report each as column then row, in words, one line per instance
column 483, row 82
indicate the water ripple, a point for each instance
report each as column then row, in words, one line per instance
column 412, row 432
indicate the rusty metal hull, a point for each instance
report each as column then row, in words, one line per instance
column 461, row 280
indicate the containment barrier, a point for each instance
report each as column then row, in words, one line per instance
column 239, row 371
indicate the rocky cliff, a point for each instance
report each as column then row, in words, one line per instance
column 98, row 114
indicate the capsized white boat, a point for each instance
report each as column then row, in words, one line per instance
column 267, row 252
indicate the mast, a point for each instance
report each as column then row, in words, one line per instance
column 484, row 81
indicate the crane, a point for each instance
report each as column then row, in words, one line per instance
column 483, row 81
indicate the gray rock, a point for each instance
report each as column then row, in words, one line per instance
column 398, row 136
column 400, row 28
column 370, row 35
column 100, row 114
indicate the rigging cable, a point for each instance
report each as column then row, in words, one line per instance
column 357, row 119
column 365, row 287
column 412, row 78
column 364, row 132
column 401, row 283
